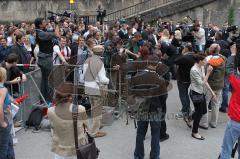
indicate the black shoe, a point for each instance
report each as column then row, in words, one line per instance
column 223, row 110
column 201, row 137
column 165, row 137
column 203, row 127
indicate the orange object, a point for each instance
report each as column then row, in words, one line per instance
column 216, row 61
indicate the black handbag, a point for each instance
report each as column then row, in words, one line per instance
column 88, row 151
column 196, row 97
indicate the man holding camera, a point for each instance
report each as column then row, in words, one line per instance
column 45, row 41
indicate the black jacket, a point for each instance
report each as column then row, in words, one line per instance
column 185, row 64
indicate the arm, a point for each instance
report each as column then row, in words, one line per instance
column 131, row 53
column 102, row 76
column 209, row 71
column 59, row 54
column 3, row 94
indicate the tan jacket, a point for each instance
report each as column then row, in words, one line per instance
column 63, row 134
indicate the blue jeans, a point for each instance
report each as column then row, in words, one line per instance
column 155, row 141
column 6, row 143
column 231, row 136
column 184, row 97
column 225, row 93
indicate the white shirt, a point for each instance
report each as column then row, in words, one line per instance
column 56, row 51
column 202, row 40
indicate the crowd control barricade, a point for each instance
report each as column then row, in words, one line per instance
column 31, row 88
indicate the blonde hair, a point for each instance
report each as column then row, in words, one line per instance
column 178, row 34
column 166, row 33
column 3, row 74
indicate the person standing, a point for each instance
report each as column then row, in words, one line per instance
column 197, row 93
column 61, row 53
column 185, row 63
column 6, row 121
column 44, row 40
column 95, row 80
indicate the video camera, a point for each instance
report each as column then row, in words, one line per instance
column 233, row 28
column 53, row 15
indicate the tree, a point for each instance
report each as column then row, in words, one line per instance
column 231, row 16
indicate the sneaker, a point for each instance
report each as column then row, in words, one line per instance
column 210, row 109
column 165, row 137
column 100, row 134
column 36, row 130
column 17, row 124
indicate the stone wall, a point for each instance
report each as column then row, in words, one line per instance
column 28, row 10
column 215, row 12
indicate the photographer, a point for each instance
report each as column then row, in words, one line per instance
column 45, row 41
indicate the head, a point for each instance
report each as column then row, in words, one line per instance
column 166, row 33
column 27, row 40
column 20, row 38
column 3, row 75
column 178, row 35
column 187, row 48
column 214, row 49
column 61, row 97
column 40, row 23
column 3, row 42
column 200, row 59
column 81, row 41
column 63, row 41
column 144, row 52
column 153, row 61
column 12, row 59
column 98, row 50
column 91, row 43
column 97, row 35
column 218, row 35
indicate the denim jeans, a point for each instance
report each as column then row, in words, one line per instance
column 155, row 141
column 231, row 136
column 200, row 48
column 184, row 97
column 6, row 143
column 225, row 94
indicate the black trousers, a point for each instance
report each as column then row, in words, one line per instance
column 200, row 109
column 163, row 103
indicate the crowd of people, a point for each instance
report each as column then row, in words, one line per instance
column 203, row 60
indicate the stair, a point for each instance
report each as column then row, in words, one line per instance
column 151, row 9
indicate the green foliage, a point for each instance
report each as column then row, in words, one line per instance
column 231, row 16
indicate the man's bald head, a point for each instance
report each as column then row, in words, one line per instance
column 214, row 49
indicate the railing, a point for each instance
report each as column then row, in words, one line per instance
column 162, row 7
column 137, row 9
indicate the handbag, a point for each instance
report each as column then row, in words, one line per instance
column 197, row 98
column 88, row 151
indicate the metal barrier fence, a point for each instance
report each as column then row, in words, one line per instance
column 35, row 98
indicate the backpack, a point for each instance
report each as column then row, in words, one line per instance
column 35, row 118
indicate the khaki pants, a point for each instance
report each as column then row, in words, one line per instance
column 215, row 103
column 96, row 111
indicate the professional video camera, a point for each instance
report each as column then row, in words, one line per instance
column 53, row 15
column 233, row 28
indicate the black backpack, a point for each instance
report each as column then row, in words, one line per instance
column 35, row 118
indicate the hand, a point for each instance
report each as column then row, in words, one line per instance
column 233, row 50
column 214, row 96
column 209, row 69
column 65, row 63
column 24, row 78
column 3, row 124
column 116, row 67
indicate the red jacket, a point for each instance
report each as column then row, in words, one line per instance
column 234, row 105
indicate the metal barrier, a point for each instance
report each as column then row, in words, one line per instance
column 35, row 98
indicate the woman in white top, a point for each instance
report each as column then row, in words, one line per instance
column 197, row 92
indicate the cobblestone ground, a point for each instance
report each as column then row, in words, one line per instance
column 120, row 141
